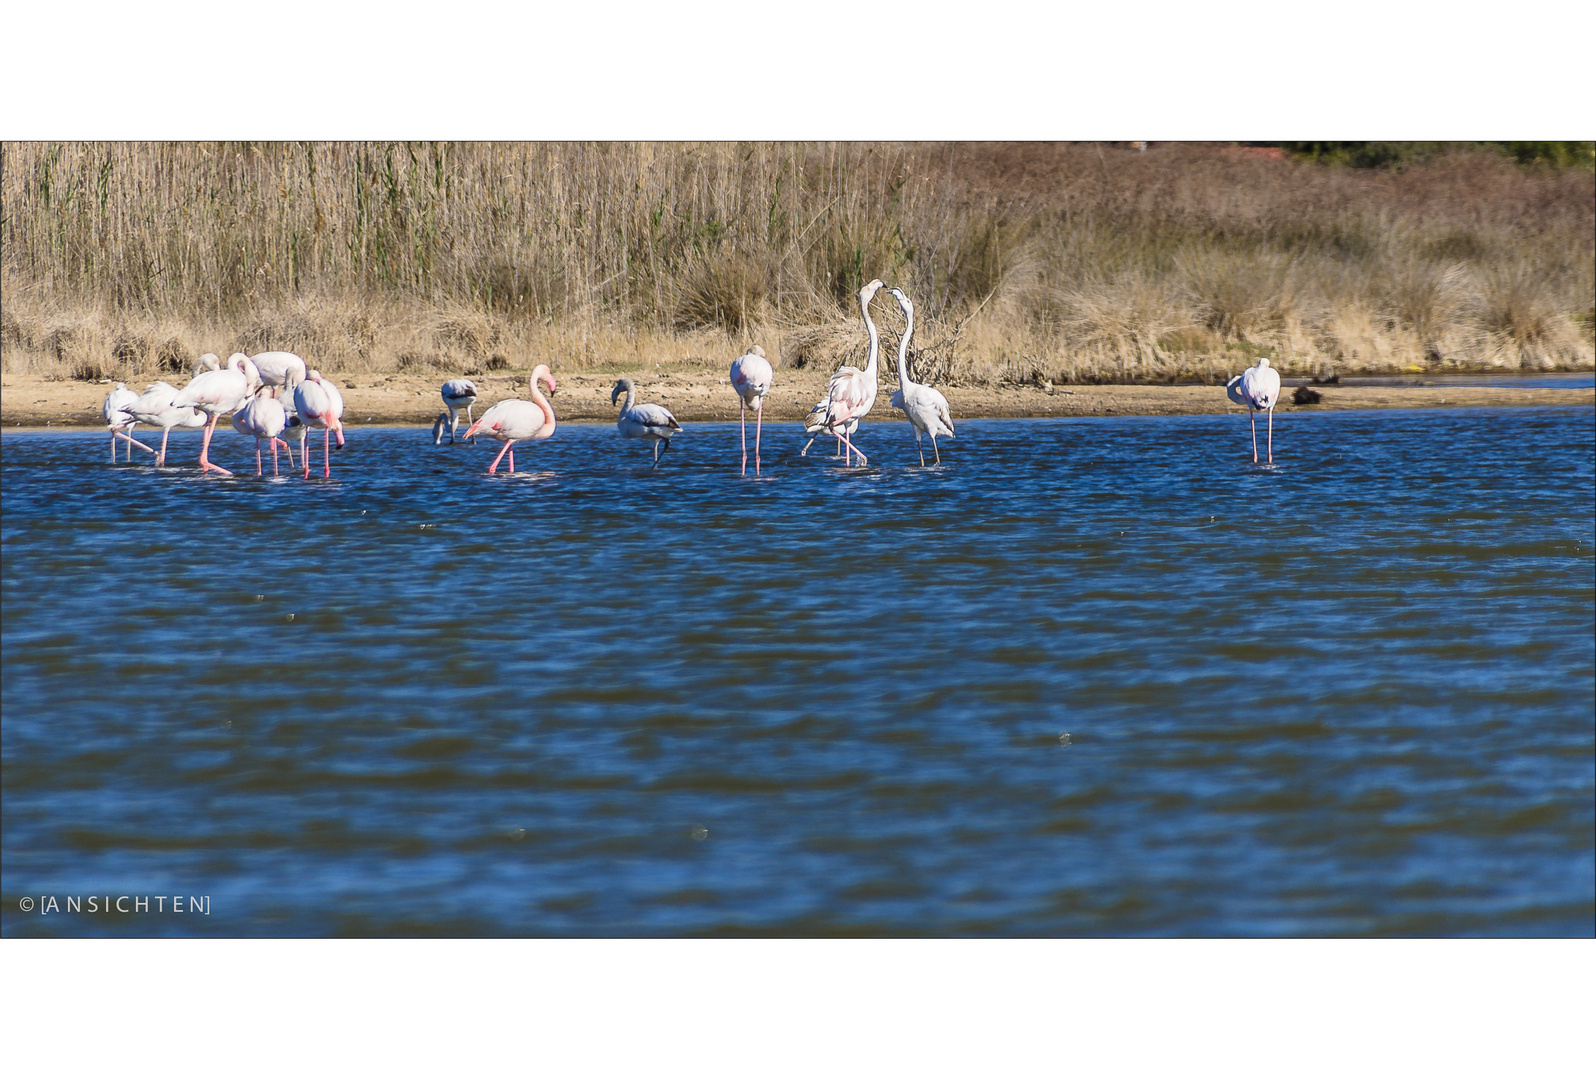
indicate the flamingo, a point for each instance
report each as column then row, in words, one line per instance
column 283, row 370
column 751, row 376
column 319, row 404
column 646, row 421
column 513, row 420
column 120, row 421
column 851, row 392
column 815, row 423
column 457, row 394
column 1257, row 388
column 216, row 392
column 295, row 429
column 155, row 407
column 924, row 405
column 263, row 418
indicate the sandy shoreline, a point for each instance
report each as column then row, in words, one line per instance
column 702, row 395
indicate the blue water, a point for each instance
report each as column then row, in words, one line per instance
column 1351, row 694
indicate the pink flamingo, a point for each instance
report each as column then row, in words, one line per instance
column 155, row 407
column 263, row 418
column 319, row 404
column 216, row 392
column 280, row 369
column 852, row 392
column 120, row 421
column 1257, row 388
column 751, row 376
column 513, row 420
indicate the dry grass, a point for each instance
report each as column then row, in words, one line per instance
column 1079, row 262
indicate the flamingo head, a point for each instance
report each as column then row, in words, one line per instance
column 542, row 372
column 868, row 293
column 903, row 301
column 314, row 376
column 207, row 362
column 247, row 367
column 1263, row 361
column 622, row 386
column 755, row 350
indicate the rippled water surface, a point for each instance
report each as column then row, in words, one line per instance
column 1350, row 694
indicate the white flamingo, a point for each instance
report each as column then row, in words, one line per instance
column 263, row 417
column 458, row 395
column 280, row 370
column 319, row 404
column 815, row 423
column 924, row 405
column 644, row 420
column 513, row 420
column 851, row 392
column 216, row 392
column 751, row 377
column 120, row 421
column 155, row 407
column 1257, row 388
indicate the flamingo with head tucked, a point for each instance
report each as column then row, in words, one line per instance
column 319, row 404
column 120, row 421
column 924, row 405
column 459, row 395
column 751, row 377
column 1257, row 388
column 644, row 420
column 263, row 417
column 216, row 392
column 155, row 407
column 280, row 370
column 513, row 420
column 852, row 392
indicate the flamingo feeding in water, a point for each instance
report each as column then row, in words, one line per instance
column 280, row 370
column 155, row 407
column 263, row 417
column 120, row 421
column 924, row 405
column 815, row 423
column 751, row 377
column 1257, row 388
column 513, row 420
column 458, row 395
column 216, row 392
column 319, row 404
column 851, row 392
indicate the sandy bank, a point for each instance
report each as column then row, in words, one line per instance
column 700, row 395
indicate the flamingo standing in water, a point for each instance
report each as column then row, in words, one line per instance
column 513, row 420
column 458, row 395
column 263, row 417
column 155, row 407
column 1257, row 388
column 280, row 370
column 924, row 405
column 319, row 404
column 120, row 421
column 216, row 392
column 751, row 376
column 851, row 392
column 644, row 420
column 815, row 423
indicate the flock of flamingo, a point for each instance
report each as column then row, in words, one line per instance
column 255, row 388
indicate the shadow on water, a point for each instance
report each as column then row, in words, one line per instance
column 1098, row 676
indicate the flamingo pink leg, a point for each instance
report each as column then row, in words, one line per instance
column 506, row 449
column 113, row 446
column 258, row 470
column 131, row 443
column 759, row 420
column 862, row 459
column 512, row 458
column 1253, row 417
column 205, row 448
column 160, row 459
column 1271, row 437
column 326, row 451
column 742, row 419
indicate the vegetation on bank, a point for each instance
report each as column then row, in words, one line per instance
column 1069, row 262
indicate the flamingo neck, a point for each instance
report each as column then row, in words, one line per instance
column 548, row 410
column 875, row 340
column 903, row 350
column 631, row 397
